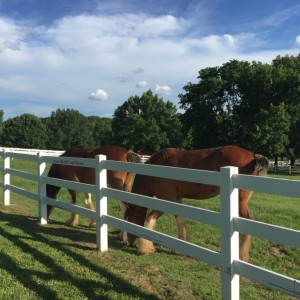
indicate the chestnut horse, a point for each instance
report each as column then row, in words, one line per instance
column 115, row 179
column 211, row 159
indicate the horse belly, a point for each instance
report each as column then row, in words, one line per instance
column 197, row 190
column 85, row 175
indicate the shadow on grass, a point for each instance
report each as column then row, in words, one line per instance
column 54, row 270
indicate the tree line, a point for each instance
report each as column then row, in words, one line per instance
column 254, row 105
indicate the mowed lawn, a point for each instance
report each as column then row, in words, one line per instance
column 55, row 261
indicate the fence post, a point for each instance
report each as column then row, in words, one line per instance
column 41, row 189
column 229, row 237
column 6, row 178
column 101, row 204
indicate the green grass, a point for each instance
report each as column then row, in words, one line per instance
column 58, row 262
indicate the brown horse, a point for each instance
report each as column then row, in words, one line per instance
column 174, row 190
column 115, row 179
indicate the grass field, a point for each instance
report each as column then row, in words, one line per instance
column 58, row 262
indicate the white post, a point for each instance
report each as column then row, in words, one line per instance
column 101, row 204
column 41, row 189
column 229, row 237
column 6, row 178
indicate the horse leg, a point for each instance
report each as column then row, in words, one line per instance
column 122, row 234
column 90, row 205
column 146, row 246
column 182, row 228
column 245, row 239
column 122, row 185
column 51, row 192
column 74, row 220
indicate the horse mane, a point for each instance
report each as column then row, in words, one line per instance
column 133, row 157
column 158, row 157
column 70, row 150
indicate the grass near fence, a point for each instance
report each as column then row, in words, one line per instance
column 58, row 262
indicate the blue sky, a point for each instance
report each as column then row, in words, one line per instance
column 92, row 55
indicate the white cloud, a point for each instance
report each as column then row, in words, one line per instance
column 141, row 84
column 87, row 51
column 297, row 40
column 162, row 89
column 99, row 95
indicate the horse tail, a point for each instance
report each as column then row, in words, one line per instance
column 51, row 190
column 261, row 165
column 137, row 183
column 133, row 157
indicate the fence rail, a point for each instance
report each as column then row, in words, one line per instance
column 227, row 219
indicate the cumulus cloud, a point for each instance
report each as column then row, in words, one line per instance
column 162, row 89
column 141, row 84
column 99, row 95
column 86, row 49
column 297, row 41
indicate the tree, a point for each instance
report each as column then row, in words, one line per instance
column 24, row 131
column 68, row 128
column 102, row 131
column 1, row 124
column 224, row 106
column 211, row 105
column 147, row 122
column 270, row 131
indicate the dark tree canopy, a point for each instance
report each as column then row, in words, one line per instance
column 102, row 132
column 249, row 104
column 24, row 131
column 147, row 122
column 68, row 128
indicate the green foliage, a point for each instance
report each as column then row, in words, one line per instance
column 24, row 131
column 271, row 129
column 1, row 124
column 249, row 104
column 147, row 122
column 68, row 128
column 102, row 132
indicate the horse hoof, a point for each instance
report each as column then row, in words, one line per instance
column 92, row 224
column 145, row 247
column 146, row 252
column 70, row 223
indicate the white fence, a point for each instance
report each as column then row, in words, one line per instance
column 32, row 151
column 227, row 219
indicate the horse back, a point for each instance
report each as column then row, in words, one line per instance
column 212, row 159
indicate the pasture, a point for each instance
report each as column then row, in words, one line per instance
column 58, row 262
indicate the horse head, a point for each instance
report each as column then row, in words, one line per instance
column 137, row 215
